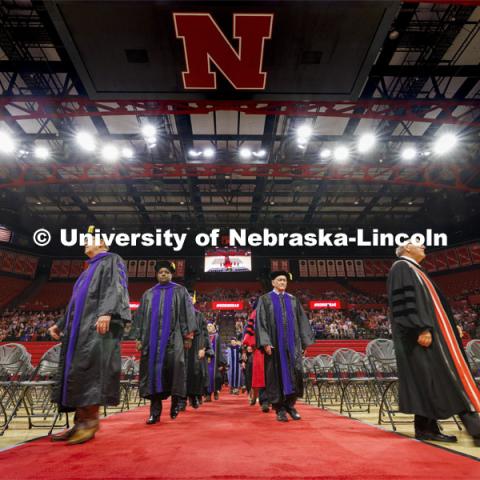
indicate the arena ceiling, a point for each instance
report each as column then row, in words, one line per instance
column 234, row 153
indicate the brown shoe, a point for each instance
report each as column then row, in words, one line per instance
column 63, row 436
column 83, row 435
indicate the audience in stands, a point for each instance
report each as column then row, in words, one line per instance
column 27, row 326
column 353, row 323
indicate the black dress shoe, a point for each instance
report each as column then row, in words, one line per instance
column 153, row 419
column 195, row 403
column 215, row 395
column 265, row 408
column 282, row 416
column 436, row 437
column 174, row 413
column 294, row 414
column 253, row 401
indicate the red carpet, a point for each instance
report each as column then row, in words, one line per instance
column 229, row 439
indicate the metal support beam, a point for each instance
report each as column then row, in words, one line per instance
column 378, row 109
column 425, row 176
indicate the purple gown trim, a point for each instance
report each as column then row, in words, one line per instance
column 211, row 365
column 156, row 355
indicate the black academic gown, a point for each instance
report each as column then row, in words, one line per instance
column 209, row 353
column 266, row 334
column 429, row 383
column 216, row 361
column 196, row 367
column 90, row 363
column 182, row 322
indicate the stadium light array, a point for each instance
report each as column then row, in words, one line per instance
column 260, row 153
column 7, row 143
column 41, row 152
column 325, row 153
column 366, row 142
column 110, row 153
column 86, row 141
column 445, row 143
column 127, row 153
column 341, row 153
column 409, row 153
column 245, row 153
column 208, row 152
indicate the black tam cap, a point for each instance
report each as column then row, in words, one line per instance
column 278, row 273
column 165, row 264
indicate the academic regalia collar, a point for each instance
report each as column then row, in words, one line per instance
column 98, row 257
column 279, row 293
column 411, row 260
column 166, row 285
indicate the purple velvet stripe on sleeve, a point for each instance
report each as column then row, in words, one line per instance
column 282, row 348
column 79, row 297
column 123, row 274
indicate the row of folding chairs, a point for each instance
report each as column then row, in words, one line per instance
column 25, row 391
column 356, row 382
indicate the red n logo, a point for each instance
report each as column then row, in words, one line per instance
column 204, row 43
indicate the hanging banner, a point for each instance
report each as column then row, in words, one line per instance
column 132, row 268
column 142, row 269
column 331, row 268
column 151, row 268
column 322, row 268
column 180, row 268
column 312, row 268
column 302, row 268
column 284, row 264
column 350, row 268
column 340, row 266
column 359, row 268
column 274, row 265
